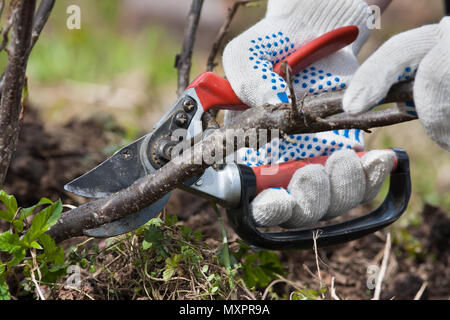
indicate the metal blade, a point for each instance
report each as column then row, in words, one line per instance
column 116, row 173
column 129, row 223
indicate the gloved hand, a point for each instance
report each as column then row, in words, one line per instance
column 423, row 54
column 248, row 60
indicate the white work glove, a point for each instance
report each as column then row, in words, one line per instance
column 423, row 54
column 248, row 61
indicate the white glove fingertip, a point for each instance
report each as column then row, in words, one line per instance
column 395, row 61
column 432, row 91
column 360, row 97
column 377, row 164
column 272, row 207
column 347, row 182
column 310, row 187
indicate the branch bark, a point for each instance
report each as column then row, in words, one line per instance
column 10, row 105
column 184, row 59
column 42, row 15
column 317, row 113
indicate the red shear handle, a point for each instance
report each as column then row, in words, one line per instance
column 216, row 92
column 318, row 49
column 267, row 178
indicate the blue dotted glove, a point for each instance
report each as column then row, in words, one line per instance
column 289, row 24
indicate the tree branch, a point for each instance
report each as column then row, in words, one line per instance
column 42, row 15
column 211, row 64
column 323, row 112
column 10, row 105
column 184, row 59
column 211, row 115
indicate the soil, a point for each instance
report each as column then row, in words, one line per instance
column 46, row 159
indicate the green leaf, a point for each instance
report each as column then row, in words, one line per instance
column 53, row 252
column 198, row 235
column 35, row 245
column 48, row 243
column 24, row 213
column 153, row 234
column 157, row 222
column 9, row 242
column 4, row 289
column 18, row 226
column 10, row 204
column 168, row 273
column 6, row 215
column 43, row 220
column 18, row 256
column 171, row 219
column 214, row 289
column 146, row 245
column 174, row 261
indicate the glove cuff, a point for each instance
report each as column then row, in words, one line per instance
column 322, row 16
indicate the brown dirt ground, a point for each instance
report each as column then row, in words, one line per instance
column 46, row 159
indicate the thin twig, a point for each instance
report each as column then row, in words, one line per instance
column 421, row 291
column 7, row 28
column 287, row 73
column 226, row 253
column 2, row 6
column 183, row 61
column 384, row 264
column 316, row 235
column 40, row 19
column 333, row 290
column 279, row 280
column 211, row 64
column 81, row 292
column 33, row 277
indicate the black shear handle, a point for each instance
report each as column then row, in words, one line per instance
column 392, row 208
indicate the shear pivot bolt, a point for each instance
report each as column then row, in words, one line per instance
column 188, row 105
column 181, row 119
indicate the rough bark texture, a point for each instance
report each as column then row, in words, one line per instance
column 10, row 106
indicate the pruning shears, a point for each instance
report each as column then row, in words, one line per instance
column 234, row 186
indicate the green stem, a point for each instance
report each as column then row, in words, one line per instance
column 226, row 255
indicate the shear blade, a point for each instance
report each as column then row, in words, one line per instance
column 129, row 223
column 116, row 173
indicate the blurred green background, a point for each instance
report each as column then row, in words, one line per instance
column 121, row 64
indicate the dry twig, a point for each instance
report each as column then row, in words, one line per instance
column 421, row 291
column 211, row 64
column 316, row 235
column 384, row 264
column 184, row 59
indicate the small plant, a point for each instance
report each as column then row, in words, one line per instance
column 27, row 247
column 258, row 268
column 308, row 294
